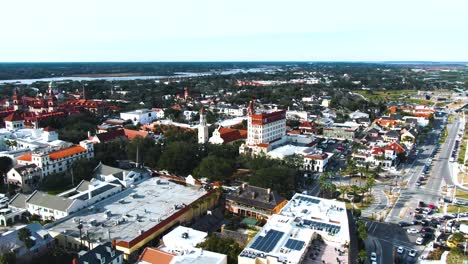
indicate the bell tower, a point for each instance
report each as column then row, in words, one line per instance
column 202, row 128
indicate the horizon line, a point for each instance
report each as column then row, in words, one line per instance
column 249, row 61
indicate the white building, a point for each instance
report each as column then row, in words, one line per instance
column 124, row 177
column 13, row 122
column 24, row 175
column 357, row 114
column 287, row 236
column 142, row 116
column 54, row 207
column 180, row 247
column 297, row 115
column 326, row 103
column 159, row 112
column 55, row 160
column 263, row 127
column 232, row 110
column 189, row 115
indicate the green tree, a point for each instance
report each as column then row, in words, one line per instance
column 214, row 168
column 362, row 255
column 83, row 170
column 5, row 165
column 362, row 231
column 7, row 258
column 24, row 234
column 179, row 157
column 278, row 178
column 228, row 247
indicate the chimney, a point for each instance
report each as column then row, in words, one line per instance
column 75, row 261
column 253, row 195
column 114, row 243
column 89, row 134
column 244, row 185
column 269, row 191
column 222, row 228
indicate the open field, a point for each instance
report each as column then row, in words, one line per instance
column 395, row 95
column 455, row 208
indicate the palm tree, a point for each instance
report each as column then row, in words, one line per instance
column 343, row 190
column 370, row 182
column 354, row 189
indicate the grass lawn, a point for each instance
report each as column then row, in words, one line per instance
column 454, row 208
column 461, row 194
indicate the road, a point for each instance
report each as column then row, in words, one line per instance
column 440, row 172
column 385, row 238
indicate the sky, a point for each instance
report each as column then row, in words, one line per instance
column 235, row 30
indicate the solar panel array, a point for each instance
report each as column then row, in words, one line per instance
column 310, row 200
column 322, row 226
column 294, row 244
column 268, row 242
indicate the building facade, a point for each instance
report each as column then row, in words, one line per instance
column 59, row 160
column 142, row 116
column 254, row 202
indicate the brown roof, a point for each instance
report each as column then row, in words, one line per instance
column 21, row 168
column 256, row 197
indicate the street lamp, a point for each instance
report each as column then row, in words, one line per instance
column 80, row 226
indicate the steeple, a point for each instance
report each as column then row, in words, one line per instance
column 251, row 107
column 51, row 100
column 202, row 128
column 16, row 99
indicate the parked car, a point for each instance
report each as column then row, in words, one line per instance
column 427, row 211
column 373, row 256
column 420, row 241
column 403, row 224
column 418, row 216
column 400, row 250
column 412, row 253
column 427, row 229
column 412, row 231
column 426, row 235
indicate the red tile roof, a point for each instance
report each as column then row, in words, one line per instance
column 66, row 152
column 13, row 117
column 156, row 256
column 317, row 156
column 109, row 136
column 229, row 134
column 131, row 134
column 25, row 157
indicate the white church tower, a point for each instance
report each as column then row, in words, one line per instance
column 202, row 128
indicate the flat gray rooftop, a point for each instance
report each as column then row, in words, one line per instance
column 127, row 214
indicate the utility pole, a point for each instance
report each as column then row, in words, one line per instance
column 73, row 179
